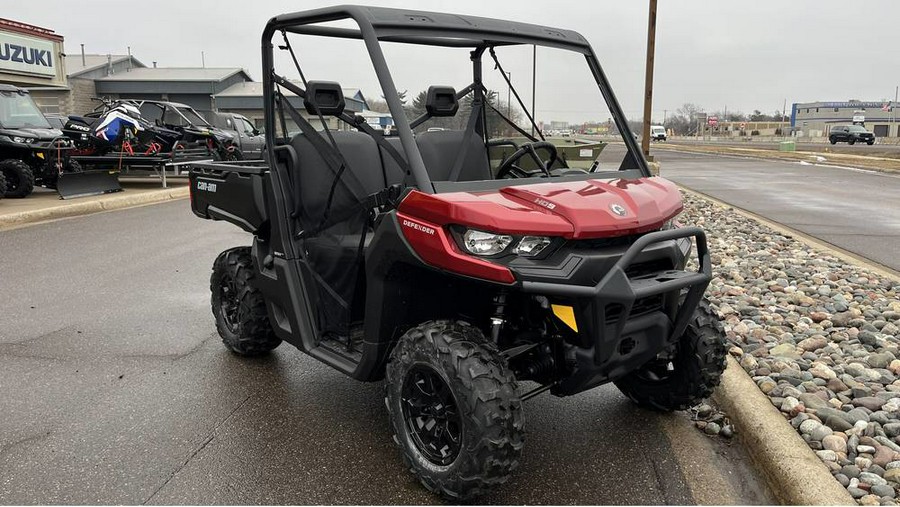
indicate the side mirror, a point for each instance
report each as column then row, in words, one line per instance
column 256, row 132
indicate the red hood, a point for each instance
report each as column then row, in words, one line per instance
column 574, row 209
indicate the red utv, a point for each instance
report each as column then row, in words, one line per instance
column 468, row 284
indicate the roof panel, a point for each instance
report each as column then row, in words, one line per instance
column 406, row 25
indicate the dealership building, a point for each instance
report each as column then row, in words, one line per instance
column 815, row 119
column 35, row 58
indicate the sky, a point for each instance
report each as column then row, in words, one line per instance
column 718, row 54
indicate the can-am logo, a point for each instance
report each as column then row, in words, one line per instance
column 545, row 203
column 618, row 209
column 418, row 227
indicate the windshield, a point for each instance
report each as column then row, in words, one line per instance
column 468, row 125
column 18, row 110
column 857, row 128
column 193, row 117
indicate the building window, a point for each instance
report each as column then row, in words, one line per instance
column 817, row 109
column 835, row 110
column 807, row 110
column 47, row 105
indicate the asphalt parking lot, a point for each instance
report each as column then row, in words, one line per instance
column 116, row 390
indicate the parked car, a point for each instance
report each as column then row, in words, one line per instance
column 851, row 134
column 658, row 133
column 249, row 139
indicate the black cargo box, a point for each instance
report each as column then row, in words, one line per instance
column 231, row 191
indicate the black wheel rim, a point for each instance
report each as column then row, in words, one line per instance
column 229, row 303
column 657, row 370
column 431, row 414
column 12, row 182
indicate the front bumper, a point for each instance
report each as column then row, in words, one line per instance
column 621, row 334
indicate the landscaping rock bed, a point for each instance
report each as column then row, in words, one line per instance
column 819, row 336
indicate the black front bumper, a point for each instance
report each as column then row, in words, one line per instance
column 623, row 330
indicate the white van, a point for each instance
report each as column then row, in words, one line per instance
column 657, row 133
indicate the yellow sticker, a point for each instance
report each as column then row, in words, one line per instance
column 40, row 155
column 565, row 314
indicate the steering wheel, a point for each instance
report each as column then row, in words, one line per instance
column 509, row 168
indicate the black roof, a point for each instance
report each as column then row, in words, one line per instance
column 431, row 28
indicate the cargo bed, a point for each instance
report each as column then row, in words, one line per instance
column 231, row 191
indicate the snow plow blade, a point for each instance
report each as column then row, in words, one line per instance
column 83, row 184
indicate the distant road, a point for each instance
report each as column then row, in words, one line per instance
column 858, row 211
column 876, row 150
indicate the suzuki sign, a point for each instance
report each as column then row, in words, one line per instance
column 27, row 55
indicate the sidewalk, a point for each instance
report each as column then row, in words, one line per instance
column 45, row 204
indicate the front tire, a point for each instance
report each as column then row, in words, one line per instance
column 19, row 178
column 454, row 409
column 851, row 141
column 697, row 367
column 239, row 308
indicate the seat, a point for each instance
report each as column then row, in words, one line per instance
column 334, row 252
column 440, row 149
column 393, row 173
column 362, row 177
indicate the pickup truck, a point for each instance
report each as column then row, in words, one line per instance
column 850, row 135
column 249, row 139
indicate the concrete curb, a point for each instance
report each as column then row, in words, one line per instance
column 22, row 218
column 791, row 469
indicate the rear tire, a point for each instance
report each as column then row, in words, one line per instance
column 478, row 404
column 19, row 178
column 698, row 366
column 239, row 308
column 833, row 140
column 870, row 143
column 2, row 185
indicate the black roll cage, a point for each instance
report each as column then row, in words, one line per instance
column 427, row 28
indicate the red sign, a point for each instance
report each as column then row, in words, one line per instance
column 712, row 121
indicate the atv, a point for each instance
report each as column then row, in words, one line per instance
column 469, row 288
column 32, row 152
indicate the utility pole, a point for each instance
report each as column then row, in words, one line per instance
column 648, row 83
column 508, row 91
column 783, row 113
column 893, row 114
column 533, row 85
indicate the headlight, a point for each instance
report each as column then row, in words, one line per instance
column 17, row 139
column 485, row 243
column 671, row 223
column 529, row 246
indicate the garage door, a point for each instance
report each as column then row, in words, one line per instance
column 881, row 130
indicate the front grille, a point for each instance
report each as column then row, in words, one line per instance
column 598, row 243
column 641, row 307
column 648, row 268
